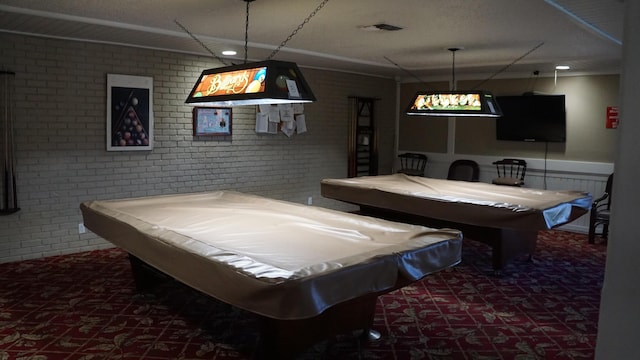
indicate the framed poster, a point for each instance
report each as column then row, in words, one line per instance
column 211, row 121
column 129, row 113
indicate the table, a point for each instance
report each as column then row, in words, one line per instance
column 504, row 217
column 307, row 272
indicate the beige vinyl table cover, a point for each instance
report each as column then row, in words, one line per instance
column 274, row 258
column 474, row 203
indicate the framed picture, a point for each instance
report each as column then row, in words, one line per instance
column 129, row 113
column 210, row 121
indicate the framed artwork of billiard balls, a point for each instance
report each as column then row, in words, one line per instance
column 129, row 113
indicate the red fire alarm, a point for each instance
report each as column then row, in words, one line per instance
column 612, row 117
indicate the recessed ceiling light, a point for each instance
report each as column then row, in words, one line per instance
column 229, row 52
column 563, row 67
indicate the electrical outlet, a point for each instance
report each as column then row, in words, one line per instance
column 81, row 229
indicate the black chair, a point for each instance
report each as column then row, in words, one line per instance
column 465, row 170
column 600, row 212
column 412, row 164
column 510, row 172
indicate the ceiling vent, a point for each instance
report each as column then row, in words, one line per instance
column 378, row 27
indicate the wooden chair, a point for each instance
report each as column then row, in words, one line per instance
column 412, row 164
column 600, row 213
column 510, row 172
column 465, row 170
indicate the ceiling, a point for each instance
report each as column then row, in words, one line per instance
column 498, row 38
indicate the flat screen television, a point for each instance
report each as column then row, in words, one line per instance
column 532, row 118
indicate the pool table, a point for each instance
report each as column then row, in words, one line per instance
column 506, row 218
column 306, row 272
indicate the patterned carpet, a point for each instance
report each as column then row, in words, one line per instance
column 84, row 306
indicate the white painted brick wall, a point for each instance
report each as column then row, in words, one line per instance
column 62, row 158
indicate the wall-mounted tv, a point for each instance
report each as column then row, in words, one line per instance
column 532, row 118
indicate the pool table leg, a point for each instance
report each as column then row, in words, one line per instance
column 510, row 244
column 145, row 276
column 284, row 339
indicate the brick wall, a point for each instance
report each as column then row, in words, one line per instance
column 62, row 158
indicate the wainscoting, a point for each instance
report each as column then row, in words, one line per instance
column 550, row 174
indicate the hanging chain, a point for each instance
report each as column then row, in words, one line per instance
column 453, row 68
column 322, row 4
column 200, row 42
column 508, row 65
column 246, row 31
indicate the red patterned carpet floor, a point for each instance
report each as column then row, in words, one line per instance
column 85, row 306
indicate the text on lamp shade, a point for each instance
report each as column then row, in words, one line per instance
column 232, row 82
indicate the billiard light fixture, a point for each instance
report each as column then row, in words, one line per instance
column 463, row 103
column 263, row 82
